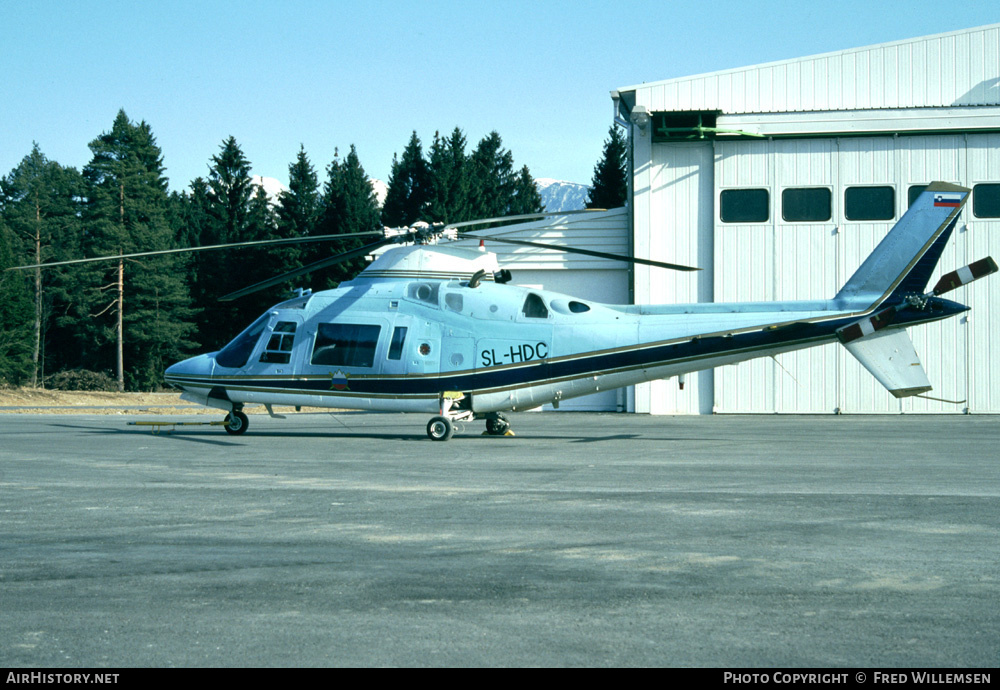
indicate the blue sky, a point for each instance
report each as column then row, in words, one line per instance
column 280, row 74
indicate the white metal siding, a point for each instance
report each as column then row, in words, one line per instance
column 958, row 68
column 785, row 261
column 675, row 214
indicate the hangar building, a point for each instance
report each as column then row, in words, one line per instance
column 779, row 179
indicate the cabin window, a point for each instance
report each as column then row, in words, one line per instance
column 869, row 203
column 454, row 301
column 534, row 307
column 237, row 353
column 396, row 346
column 986, row 201
column 806, row 205
column 279, row 345
column 744, row 205
column 345, row 344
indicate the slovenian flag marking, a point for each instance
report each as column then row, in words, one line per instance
column 948, row 199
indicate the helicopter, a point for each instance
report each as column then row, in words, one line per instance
column 438, row 329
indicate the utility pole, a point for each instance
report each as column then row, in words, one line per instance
column 121, row 306
column 35, row 355
column 121, row 293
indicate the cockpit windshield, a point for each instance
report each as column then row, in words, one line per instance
column 237, row 353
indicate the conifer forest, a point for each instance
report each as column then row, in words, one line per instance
column 119, row 324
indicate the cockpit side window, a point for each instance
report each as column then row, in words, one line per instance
column 534, row 307
column 396, row 346
column 279, row 345
column 237, row 353
column 345, row 344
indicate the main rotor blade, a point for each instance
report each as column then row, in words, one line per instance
column 315, row 266
column 211, row 247
column 523, row 216
column 585, row 252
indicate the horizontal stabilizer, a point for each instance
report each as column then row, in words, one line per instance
column 965, row 275
column 890, row 357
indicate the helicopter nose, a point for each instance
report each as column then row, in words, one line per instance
column 194, row 368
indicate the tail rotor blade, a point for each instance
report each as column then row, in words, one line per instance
column 965, row 275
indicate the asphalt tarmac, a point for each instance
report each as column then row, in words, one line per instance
column 584, row 540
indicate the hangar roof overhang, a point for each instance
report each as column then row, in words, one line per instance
column 945, row 82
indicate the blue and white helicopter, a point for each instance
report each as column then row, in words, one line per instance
column 436, row 329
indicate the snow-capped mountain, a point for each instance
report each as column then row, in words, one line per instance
column 273, row 188
column 559, row 195
column 380, row 188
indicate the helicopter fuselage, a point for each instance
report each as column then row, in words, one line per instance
column 402, row 344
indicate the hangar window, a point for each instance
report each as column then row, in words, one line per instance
column 806, row 204
column 279, row 345
column 744, row 205
column 345, row 344
column 914, row 193
column 986, row 201
column 869, row 203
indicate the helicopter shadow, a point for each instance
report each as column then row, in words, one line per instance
column 212, row 438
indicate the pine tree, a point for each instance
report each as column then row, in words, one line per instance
column 226, row 200
column 298, row 214
column 230, row 188
column 349, row 206
column 408, row 187
column 609, row 188
column 491, row 173
column 40, row 202
column 148, row 312
column 261, row 263
column 448, row 198
column 299, row 206
column 16, row 317
column 526, row 198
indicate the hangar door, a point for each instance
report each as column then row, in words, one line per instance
column 795, row 218
column 673, row 222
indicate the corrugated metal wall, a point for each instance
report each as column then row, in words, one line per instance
column 957, row 68
column 674, row 201
column 777, row 260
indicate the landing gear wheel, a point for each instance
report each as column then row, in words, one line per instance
column 236, row 423
column 440, row 428
column 497, row 425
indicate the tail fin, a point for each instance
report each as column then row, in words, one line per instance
column 905, row 259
